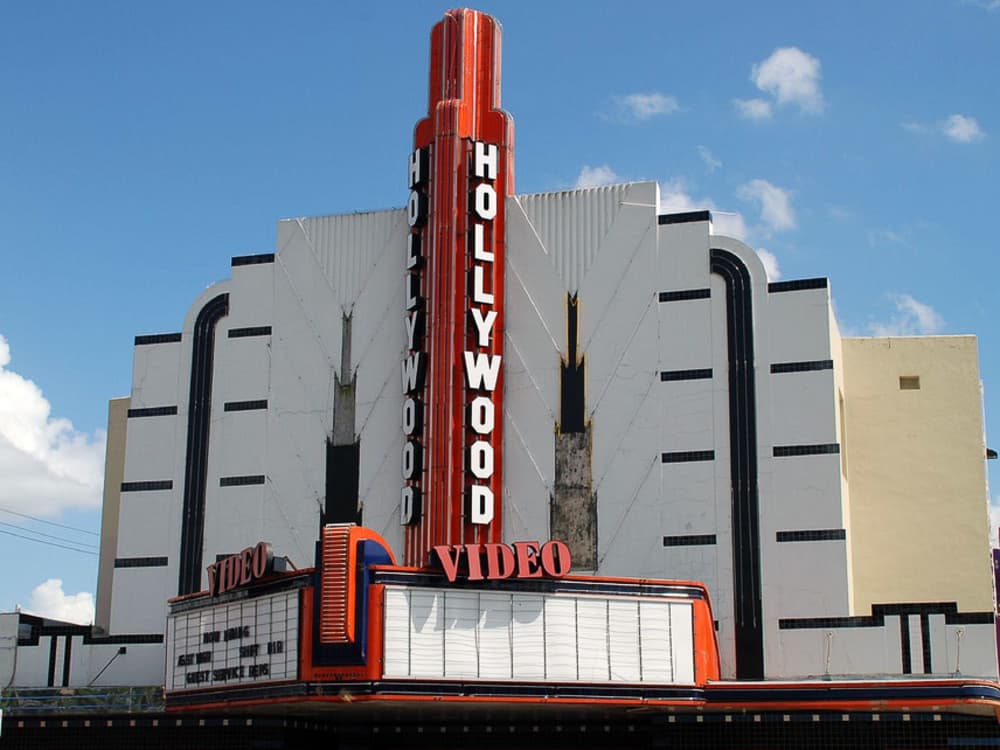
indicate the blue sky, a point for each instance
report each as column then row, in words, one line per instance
column 143, row 145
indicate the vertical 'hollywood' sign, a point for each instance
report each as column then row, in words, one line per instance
column 460, row 174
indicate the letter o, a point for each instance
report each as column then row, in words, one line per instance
column 482, row 415
column 485, row 202
column 481, row 459
column 411, row 416
column 416, row 208
column 261, row 558
column 411, row 460
column 556, row 560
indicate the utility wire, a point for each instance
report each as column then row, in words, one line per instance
column 49, row 536
column 50, row 523
column 51, row 544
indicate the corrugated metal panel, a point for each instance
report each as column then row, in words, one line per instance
column 572, row 225
column 336, row 625
column 348, row 247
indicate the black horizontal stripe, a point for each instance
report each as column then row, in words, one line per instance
column 153, row 411
column 140, row 562
column 703, row 374
column 239, row 333
column 241, row 481
column 685, row 456
column 680, row 295
column 245, row 405
column 159, row 484
column 688, row 540
column 808, row 366
column 252, row 260
column 157, row 338
column 684, row 217
column 782, row 451
column 796, row 285
column 811, row 535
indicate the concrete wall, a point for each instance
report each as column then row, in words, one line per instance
column 917, row 472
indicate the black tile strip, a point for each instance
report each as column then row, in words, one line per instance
column 686, row 456
column 783, row 451
column 797, row 285
column 688, row 540
column 67, row 657
column 252, row 260
column 160, row 484
column 123, row 639
column 199, row 426
column 245, row 405
column 745, row 514
column 572, row 375
column 153, row 411
column 239, row 333
column 140, row 562
column 669, row 375
column 157, row 338
column 969, row 618
column 684, row 217
column 241, row 481
column 810, row 366
column 925, row 641
column 904, row 644
column 53, row 645
column 680, row 295
column 879, row 612
column 811, row 535
column 805, row 623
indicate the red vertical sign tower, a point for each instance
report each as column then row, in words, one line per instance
column 460, row 173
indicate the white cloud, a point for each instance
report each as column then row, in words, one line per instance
column 45, row 464
column 990, row 5
column 775, row 203
column 711, row 162
column 791, row 76
column 640, row 107
column 753, row 109
column 49, row 600
column 674, row 198
column 958, row 128
column 912, row 318
column 770, row 264
column 962, row 129
column 597, row 176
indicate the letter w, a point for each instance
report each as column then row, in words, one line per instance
column 413, row 371
column 482, row 370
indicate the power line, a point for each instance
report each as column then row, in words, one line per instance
column 50, row 523
column 51, row 544
column 49, row 536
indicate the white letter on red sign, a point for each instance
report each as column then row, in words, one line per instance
column 480, row 504
column 485, row 202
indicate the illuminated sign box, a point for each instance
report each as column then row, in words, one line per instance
column 246, row 642
column 492, row 635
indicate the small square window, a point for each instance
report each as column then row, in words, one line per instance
column 909, row 382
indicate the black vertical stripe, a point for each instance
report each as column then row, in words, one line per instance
column 904, row 641
column 67, row 654
column 196, row 466
column 572, row 410
column 53, row 645
column 925, row 641
column 743, row 464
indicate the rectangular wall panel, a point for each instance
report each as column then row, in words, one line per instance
column 488, row 635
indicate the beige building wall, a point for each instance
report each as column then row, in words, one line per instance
column 114, row 472
column 915, row 458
